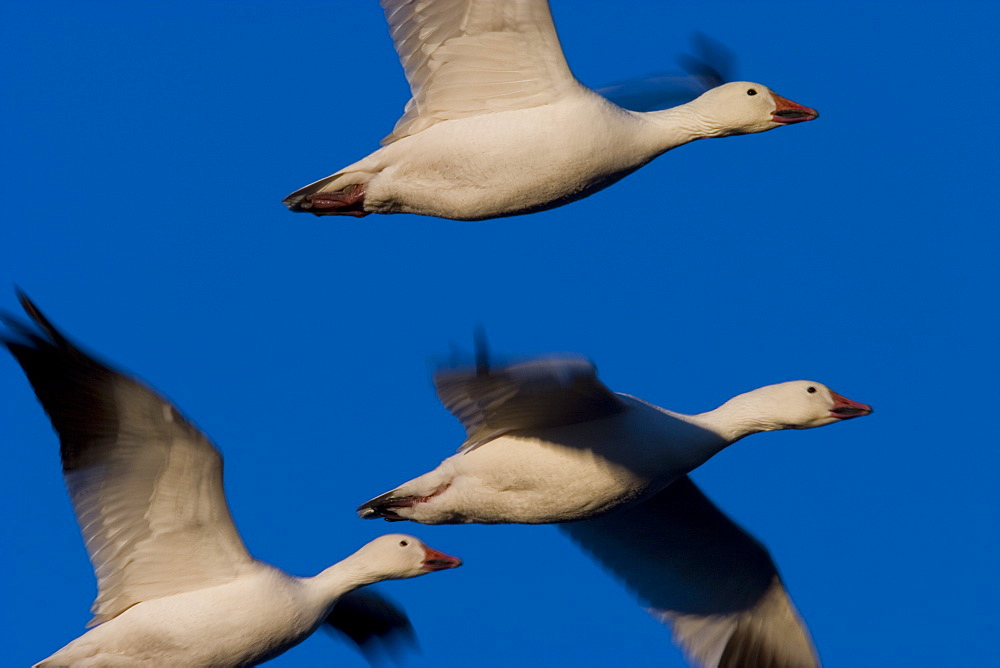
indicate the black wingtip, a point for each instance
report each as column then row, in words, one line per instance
column 25, row 301
column 482, row 350
column 14, row 324
column 36, row 315
column 375, row 624
column 21, row 328
column 712, row 62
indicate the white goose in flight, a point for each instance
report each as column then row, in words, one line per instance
column 176, row 585
column 498, row 125
column 548, row 442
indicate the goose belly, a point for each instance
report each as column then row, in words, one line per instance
column 237, row 624
column 530, row 481
column 504, row 164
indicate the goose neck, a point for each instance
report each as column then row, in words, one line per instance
column 734, row 420
column 342, row 577
column 670, row 128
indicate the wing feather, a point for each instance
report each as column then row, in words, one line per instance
column 468, row 57
column 375, row 624
column 145, row 484
column 699, row 572
column 549, row 392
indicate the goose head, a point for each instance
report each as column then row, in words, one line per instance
column 797, row 404
column 397, row 556
column 743, row 107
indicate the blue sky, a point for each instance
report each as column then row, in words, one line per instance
column 146, row 149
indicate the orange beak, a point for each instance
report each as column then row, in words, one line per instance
column 787, row 111
column 439, row 561
column 844, row 408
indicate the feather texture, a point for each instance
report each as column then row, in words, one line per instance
column 146, row 485
column 702, row 574
column 469, row 57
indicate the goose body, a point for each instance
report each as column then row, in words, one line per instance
column 176, row 585
column 498, row 126
column 250, row 619
column 549, row 443
column 560, row 473
column 259, row 614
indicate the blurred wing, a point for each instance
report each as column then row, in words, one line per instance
column 661, row 90
column 549, row 392
column 712, row 64
column 145, row 484
column 469, row 57
column 372, row 622
column 703, row 575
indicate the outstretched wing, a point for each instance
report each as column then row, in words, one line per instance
column 375, row 624
column 469, row 57
column 146, row 485
column 548, row 392
column 699, row 572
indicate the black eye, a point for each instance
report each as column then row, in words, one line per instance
column 810, row 389
column 752, row 91
column 403, row 543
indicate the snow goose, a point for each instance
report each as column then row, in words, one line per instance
column 548, row 442
column 176, row 586
column 498, row 126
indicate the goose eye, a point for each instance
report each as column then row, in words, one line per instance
column 810, row 389
column 403, row 543
column 752, row 91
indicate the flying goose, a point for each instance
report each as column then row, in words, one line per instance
column 547, row 442
column 176, row 585
column 498, row 125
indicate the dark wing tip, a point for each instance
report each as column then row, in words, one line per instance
column 72, row 387
column 373, row 623
column 53, row 337
column 709, row 63
column 482, row 350
column 712, row 62
column 38, row 317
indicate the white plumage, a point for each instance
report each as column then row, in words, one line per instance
column 498, row 126
column 176, row 585
column 548, row 442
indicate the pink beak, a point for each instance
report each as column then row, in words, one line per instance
column 439, row 561
column 787, row 111
column 844, row 408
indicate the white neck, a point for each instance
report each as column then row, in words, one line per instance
column 676, row 126
column 342, row 577
column 735, row 419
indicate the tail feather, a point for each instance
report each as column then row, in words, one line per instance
column 294, row 200
column 380, row 507
column 346, row 189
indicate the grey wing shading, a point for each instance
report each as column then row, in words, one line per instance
column 468, row 57
column 548, row 392
column 376, row 625
column 145, row 484
column 711, row 64
column 703, row 575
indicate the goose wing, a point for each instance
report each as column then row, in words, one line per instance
column 703, row 575
column 145, row 484
column 469, row 57
column 375, row 624
column 549, row 392
column 711, row 64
